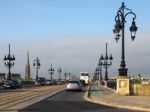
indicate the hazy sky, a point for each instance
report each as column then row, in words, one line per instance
column 72, row 34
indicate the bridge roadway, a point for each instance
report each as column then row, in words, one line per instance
column 10, row 100
column 69, row 102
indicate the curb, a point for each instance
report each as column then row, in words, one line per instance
column 112, row 104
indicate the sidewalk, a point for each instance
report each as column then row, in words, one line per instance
column 106, row 96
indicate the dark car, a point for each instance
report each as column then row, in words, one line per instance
column 49, row 82
column 41, row 81
column 54, row 82
column 12, row 84
column 83, row 82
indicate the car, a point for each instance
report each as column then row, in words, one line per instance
column 49, row 82
column 82, row 82
column 12, row 84
column 59, row 82
column 74, row 86
column 41, row 81
column 54, row 82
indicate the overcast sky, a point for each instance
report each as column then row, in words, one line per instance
column 72, row 34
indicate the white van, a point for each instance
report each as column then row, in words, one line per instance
column 85, row 76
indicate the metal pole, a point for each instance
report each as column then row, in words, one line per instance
column 37, row 69
column 106, row 73
column 123, row 45
column 101, row 74
column 123, row 70
column 59, row 76
column 51, row 72
column 9, row 65
column 51, row 75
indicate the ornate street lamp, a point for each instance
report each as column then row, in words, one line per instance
column 36, row 63
column 59, row 72
column 120, row 20
column 104, row 62
column 9, row 62
column 69, row 74
column 65, row 75
column 100, row 70
column 98, row 73
column 51, row 71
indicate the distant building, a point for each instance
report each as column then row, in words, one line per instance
column 27, row 67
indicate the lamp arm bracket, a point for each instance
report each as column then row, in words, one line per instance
column 128, row 9
column 119, row 14
column 131, row 13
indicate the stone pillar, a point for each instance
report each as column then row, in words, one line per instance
column 123, row 85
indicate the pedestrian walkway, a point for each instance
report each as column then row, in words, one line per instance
column 103, row 95
column 94, row 91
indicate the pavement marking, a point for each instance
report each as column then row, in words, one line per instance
column 95, row 91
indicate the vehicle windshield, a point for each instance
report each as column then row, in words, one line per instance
column 73, row 81
column 49, row 80
column 8, row 82
column 84, row 74
column 41, row 79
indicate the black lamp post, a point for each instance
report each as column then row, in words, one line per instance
column 59, row 72
column 65, row 75
column 100, row 70
column 51, row 71
column 104, row 62
column 69, row 74
column 36, row 63
column 120, row 20
column 98, row 73
column 9, row 61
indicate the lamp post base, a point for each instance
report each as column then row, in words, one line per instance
column 123, row 71
column 123, row 85
column 8, row 77
column 106, row 77
column 36, row 78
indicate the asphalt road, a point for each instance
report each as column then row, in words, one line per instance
column 1, row 87
column 69, row 102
